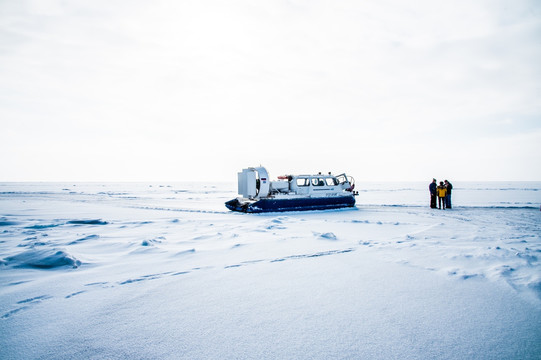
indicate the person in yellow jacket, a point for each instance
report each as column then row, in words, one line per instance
column 442, row 192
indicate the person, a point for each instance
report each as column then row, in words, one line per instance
column 442, row 191
column 449, row 188
column 432, row 188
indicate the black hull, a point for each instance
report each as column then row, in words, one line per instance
column 303, row 204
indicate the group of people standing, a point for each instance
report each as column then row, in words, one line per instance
column 441, row 193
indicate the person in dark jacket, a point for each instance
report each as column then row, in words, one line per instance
column 449, row 187
column 433, row 196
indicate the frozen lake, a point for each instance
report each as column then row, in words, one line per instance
column 164, row 270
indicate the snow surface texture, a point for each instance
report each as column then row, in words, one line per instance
column 141, row 271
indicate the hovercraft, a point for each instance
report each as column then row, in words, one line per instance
column 291, row 192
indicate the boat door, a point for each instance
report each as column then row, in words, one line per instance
column 302, row 184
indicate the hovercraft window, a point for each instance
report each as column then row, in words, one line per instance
column 331, row 181
column 318, row 182
column 342, row 179
column 303, row 182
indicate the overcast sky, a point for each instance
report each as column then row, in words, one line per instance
column 194, row 90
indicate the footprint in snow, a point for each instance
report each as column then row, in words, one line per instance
column 315, row 255
column 145, row 278
column 34, row 299
column 26, row 305
column 13, row 312
column 74, row 294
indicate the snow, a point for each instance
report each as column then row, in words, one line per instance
column 148, row 271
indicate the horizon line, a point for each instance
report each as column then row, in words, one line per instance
column 228, row 181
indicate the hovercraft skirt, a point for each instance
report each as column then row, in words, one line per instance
column 280, row 205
